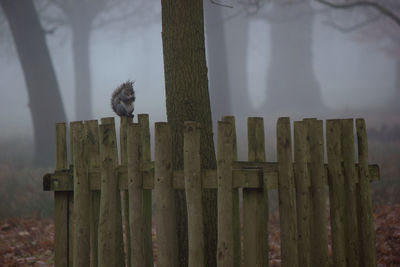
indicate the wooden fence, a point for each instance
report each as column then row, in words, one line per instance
column 87, row 193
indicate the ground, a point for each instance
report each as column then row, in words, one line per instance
column 29, row 241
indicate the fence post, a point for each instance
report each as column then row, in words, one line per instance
column 71, row 213
column 235, row 202
column 81, row 244
column 303, row 197
column 124, row 122
column 224, row 174
column 287, row 205
column 336, row 192
column 193, row 191
column 366, row 223
column 135, row 188
column 319, row 235
column 61, row 203
column 110, row 223
column 255, row 202
column 143, row 120
column 351, row 230
column 164, row 204
column 93, row 154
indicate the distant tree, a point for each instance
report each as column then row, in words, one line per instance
column 83, row 17
column 220, row 95
column 187, row 99
column 383, row 21
column 44, row 96
column 388, row 8
column 291, row 81
column 292, row 86
column 226, row 29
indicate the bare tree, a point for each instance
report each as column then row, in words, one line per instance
column 383, row 21
column 292, row 86
column 44, row 96
column 217, row 61
column 388, row 8
column 226, row 30
column 83, row 17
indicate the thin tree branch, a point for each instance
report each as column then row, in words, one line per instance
column 353, row 27
column 219, row 4
column 385, row 11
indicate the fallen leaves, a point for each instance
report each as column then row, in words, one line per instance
column 387, row 228
column 30, row 241
column 26, row 242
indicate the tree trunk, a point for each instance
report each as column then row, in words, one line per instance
column 217, row 61
column 44, row 96
column 292, row 85
column 81, row 28
column 187, row 98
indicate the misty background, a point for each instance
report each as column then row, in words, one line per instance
column 265, row 58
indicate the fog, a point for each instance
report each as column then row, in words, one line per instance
column 353, row 73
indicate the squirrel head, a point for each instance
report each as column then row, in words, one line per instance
column 127, row 88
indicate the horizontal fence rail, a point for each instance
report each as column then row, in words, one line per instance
column 244, row 174
column 98, row 197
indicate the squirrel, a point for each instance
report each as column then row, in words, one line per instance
column 122, row 99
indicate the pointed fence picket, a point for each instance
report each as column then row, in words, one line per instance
column 90, row 215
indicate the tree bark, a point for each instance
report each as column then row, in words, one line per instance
column 45, row 100
column 187, row 99
column 292, row 85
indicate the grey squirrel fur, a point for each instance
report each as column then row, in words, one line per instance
column 122, row 99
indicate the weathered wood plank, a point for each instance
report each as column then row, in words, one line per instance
column 123, row 133
column 81, row 244
column 319, row 235
column 61, row 202
column 143, row 120
column 92, row 147
column 135, row 187
column 336, row 192
column 255, row 202
column 225, row 252
column 242, row 178
column 365, row 217
column 193, row 191
column 71, row 227
column 287, row 207
column 110, row 227
column 71, row 203
column 120, row 238
column 164, row 201
column 303, row 195
column 235, row 201
column 351, row 224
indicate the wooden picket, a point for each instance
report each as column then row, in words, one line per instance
column 88, row 210
column 93, row 154
column 315, row 161
column 303, row 194
column 255, row 202
column 135, row 201
column 164, row 199
column 61, row 202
